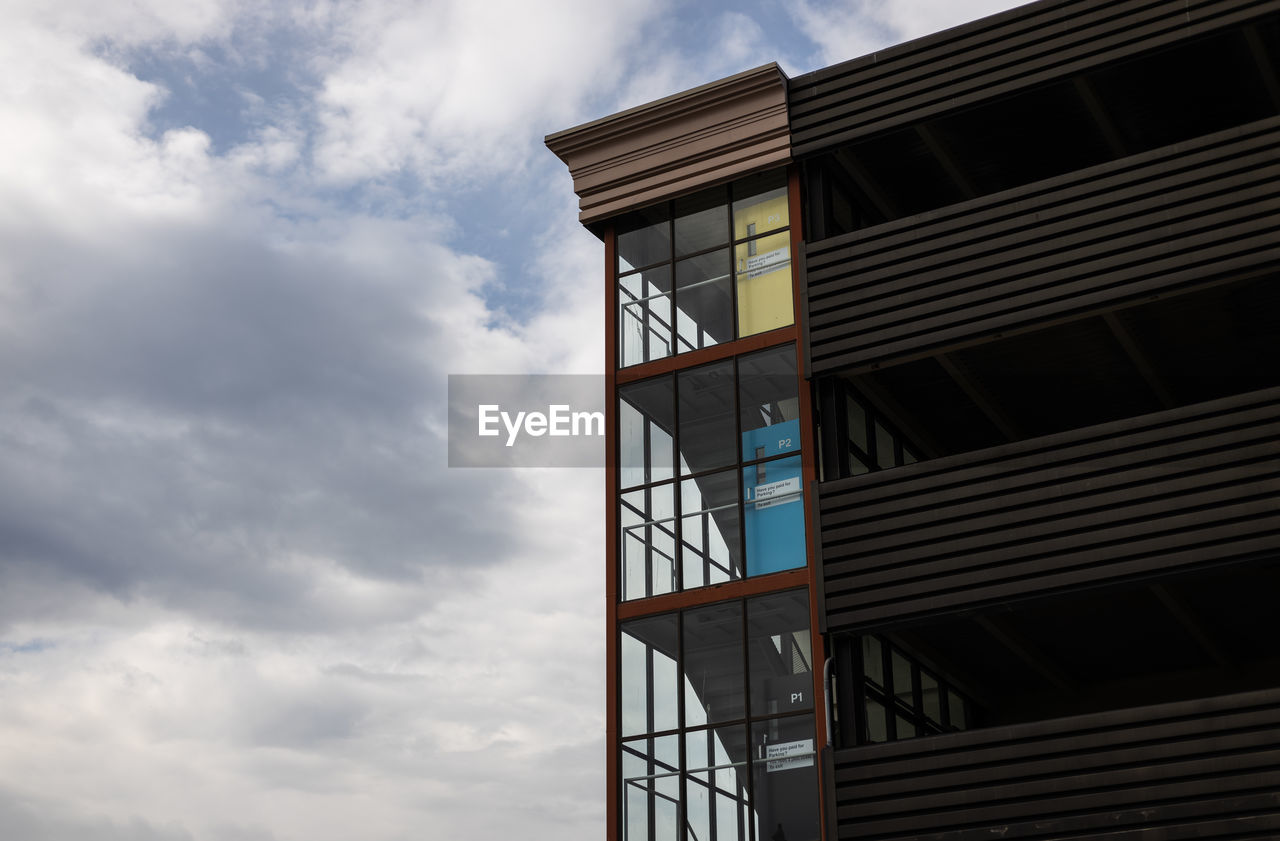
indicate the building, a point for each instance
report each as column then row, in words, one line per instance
column 945, row 441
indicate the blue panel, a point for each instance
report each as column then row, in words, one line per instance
column 773, row 515
column 771, row 440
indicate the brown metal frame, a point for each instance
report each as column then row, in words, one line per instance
column 612, row 768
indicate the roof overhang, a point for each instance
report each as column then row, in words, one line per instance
column 707, row 135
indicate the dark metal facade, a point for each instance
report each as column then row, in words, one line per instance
column 1037, row 306
column 1193, row 769
column 1043, row 252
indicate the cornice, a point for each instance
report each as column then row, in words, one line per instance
column 676, row 144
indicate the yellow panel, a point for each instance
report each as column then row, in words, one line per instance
column 755, row 215
column 763, row 272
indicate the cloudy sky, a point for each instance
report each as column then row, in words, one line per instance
column 242, row 244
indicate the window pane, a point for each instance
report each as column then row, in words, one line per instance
column 647, row 520
column 646, row 421
column 645, row 315
column 704, row 302
column 649, row 675
column 710, row 542
column 763, row 271
column 857, row 423
column 785, row 773
column 902, row 689
column 956, row 708
column 877, row 729
column 931, row 697
column 644, row 238
column 760, row 204
column 707, row 417
column 769, row 401
column 650, row 788
column 714, row 683
column 906, row 730
column 872, row 661
column 717, row 785
column 773, row 516
column 884, row 447
column 702, row 221
column 780, row 656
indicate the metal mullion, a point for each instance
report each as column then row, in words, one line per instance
column 761, row 235
column 746, row 663
column 682, row 759
column 733, row 289
column 677, row 499
column 648, row 545
column 755, row 462
column 706, row 555
column 890, row 700
column 727, row 243
column 710, row 562
column 639, row 269
column 737, row 458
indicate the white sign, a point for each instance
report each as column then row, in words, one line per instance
column 777, row 493
column 770, row 261
column 784, row 756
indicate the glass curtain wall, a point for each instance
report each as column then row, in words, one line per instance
column 704, row 269
column 717, row 723
column 710, row 474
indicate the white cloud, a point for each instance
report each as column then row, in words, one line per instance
column 845, row 29
column 234, row 569
column 447, row 88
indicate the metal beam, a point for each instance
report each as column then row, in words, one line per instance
column 866, row 182
column 1100, row 116
column 1259, row 52
column 1193, row 626
column 1139, row 359
column 1026, row 651
column 885, row 404
column 943, row 155
column 980, row 397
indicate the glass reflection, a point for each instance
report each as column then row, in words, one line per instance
column 648, row 663
column 785, row 779
column 702, row 221
column 773, row 516
column 760, row 204
column 780, row 653
column 646, row 423
column 768, row 397
column 647, row 521
column 645, row 316
column 644, row 238
column 716, row 784
column 707, row 420
column 762, row 268
column 704, row 302
column 710, row 539
column 713, row 669
column 651, row 788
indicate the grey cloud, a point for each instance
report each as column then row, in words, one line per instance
column 184, row 419
column 47, row 820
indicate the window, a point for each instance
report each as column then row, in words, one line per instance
column 704, row 269
column 856, row 438
column 710, row 474
column 718, row 730
column 900, row 698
